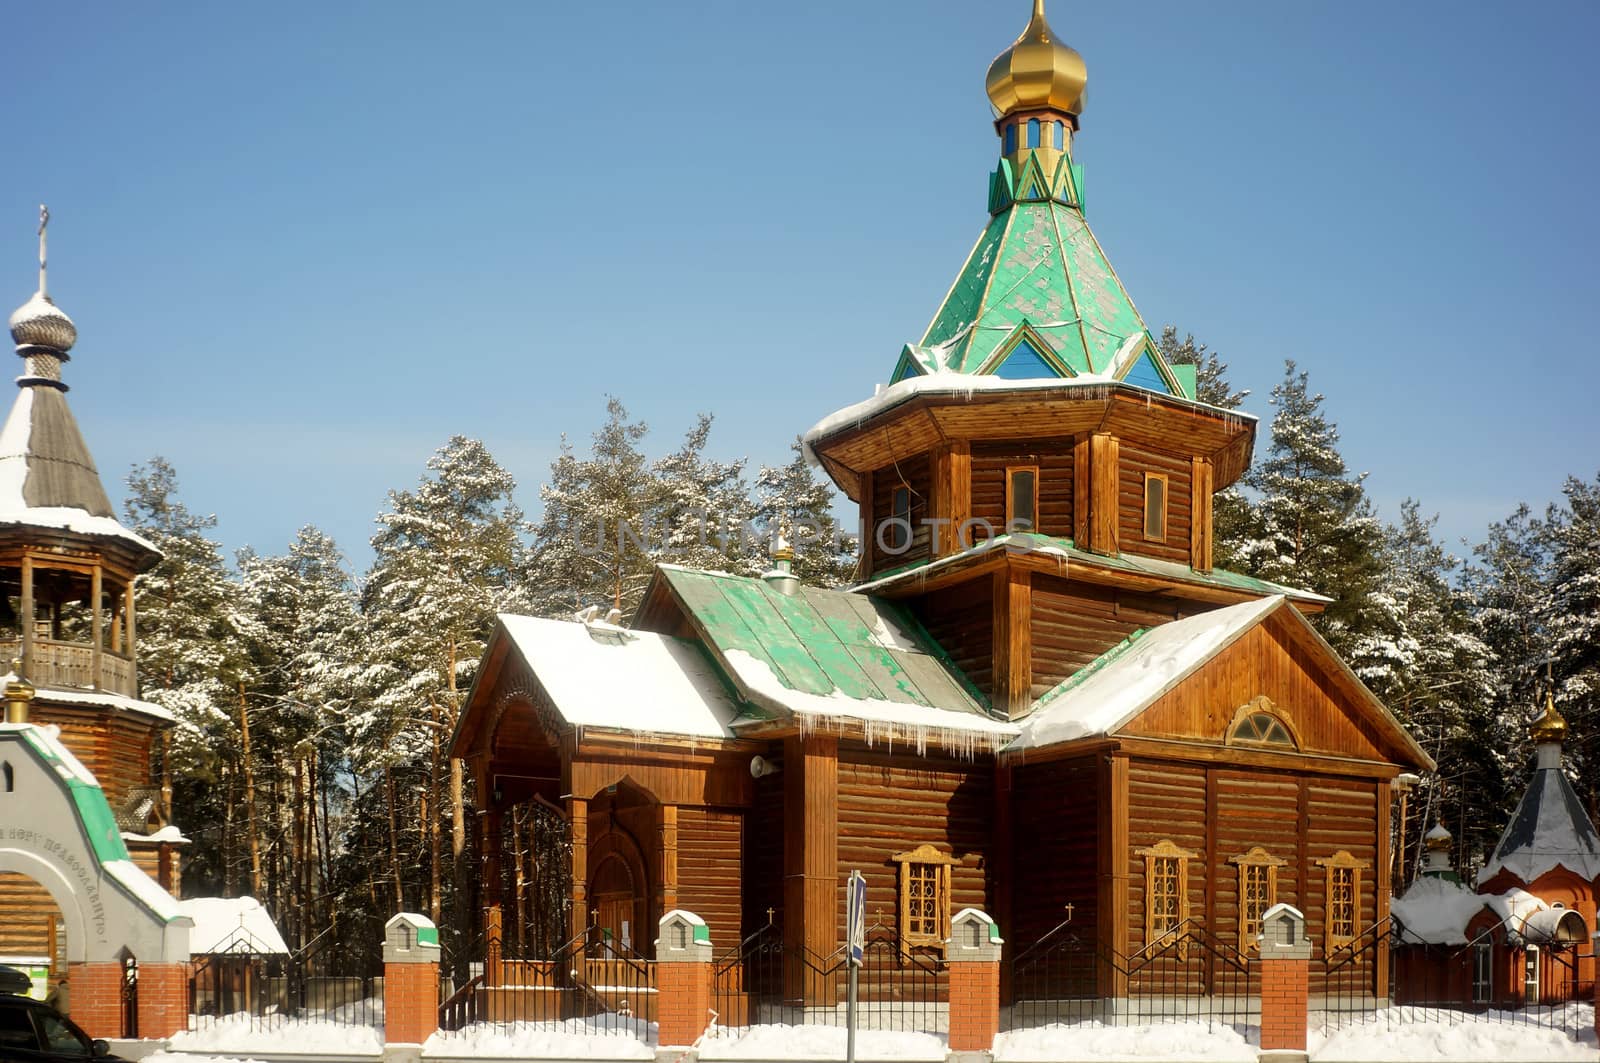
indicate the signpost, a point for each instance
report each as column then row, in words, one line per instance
column 855, row 921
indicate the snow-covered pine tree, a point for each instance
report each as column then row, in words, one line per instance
column 1230, row 512
column 296, row 616
column 1311, row 524
column 590, row 545
column 702, row 509
column 1574, row 627
column 189, row 663
column 449, row 555
column 793, row 498
column 1424, row 656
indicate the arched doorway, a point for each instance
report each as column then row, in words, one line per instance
column 621, row 870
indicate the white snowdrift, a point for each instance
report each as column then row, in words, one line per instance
column 569, row 1039
column 779, row 1041
column 243, row 1034
column 1094, row 1040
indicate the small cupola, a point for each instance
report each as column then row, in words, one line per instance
column 1437, row 843
column 19, row 695
column 1548, row 732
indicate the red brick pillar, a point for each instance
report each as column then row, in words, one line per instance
column 683, row 979
column 410, row 979
column 973, row 953
column 163, row 999
column 95, row 992
column 1285, row 979
column 1595, row 946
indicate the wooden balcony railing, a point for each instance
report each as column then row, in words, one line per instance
column 70, row 665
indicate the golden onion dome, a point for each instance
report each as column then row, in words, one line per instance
column 1037, row 71
column 1438, row 839
column 1551, row 726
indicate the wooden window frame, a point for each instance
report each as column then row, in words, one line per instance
column 1166, row 505
column 1339, row 865
column 1011, row 509
column 1261, row 705
column 924, row 856
column 1250, row 927
column 1154, row 855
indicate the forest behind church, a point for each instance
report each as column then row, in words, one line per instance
column 314, row 705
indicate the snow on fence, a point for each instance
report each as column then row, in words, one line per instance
column 266, row 993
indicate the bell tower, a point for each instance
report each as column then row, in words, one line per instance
column 67, row 616
column 1035, row 481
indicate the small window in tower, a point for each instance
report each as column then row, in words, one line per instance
column 1022, row 498
column 1033, row 132
column 899, row 537
column 1060, row 136
column 6, row 777
column 1155, row 506
column 1011, row 138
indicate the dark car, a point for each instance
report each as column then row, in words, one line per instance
column 32, row 1030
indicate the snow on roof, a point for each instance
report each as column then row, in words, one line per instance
column 1127, row 680
column 15, row 452
column 598, row 675
column 1436, row 911
column 54, row 696
column 231, row 924
column 885, row 721
column 1550, row 829
column 965, row 385
column 169, row 833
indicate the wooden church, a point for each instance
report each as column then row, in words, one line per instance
column 67, row 616
column 1042, row 693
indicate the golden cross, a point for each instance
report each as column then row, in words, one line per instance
column 770, row 913
column 1069, row 911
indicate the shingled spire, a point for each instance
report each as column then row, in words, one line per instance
column 48, row 478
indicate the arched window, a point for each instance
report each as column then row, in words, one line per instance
column 7, row 778
column 1060, row 136
column 1011, row 138
column 1259, row 722
column 1033, row 132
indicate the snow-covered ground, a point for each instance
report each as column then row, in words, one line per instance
column 779, row 1041
column 1447, row 1036
column 243, row 1034
column 570, row 1039
column 1095, row 1040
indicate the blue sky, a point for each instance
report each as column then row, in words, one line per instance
column 305, row 243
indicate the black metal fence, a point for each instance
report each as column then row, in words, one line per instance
column 1188, row 975
column 592, row 984
column 269, row 992
column 764, row 981
column 1389, row 977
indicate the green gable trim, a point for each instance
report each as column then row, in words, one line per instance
column 94, row 814
column 1090, row 669
column 1186, row 378
column 907, row 366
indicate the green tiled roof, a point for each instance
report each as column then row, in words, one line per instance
column 827, row 643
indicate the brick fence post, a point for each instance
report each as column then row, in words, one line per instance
column 683, row 979
column 1285, row 981
column 973, row 953
column 410, row 979
column 1595, row 938
column 95, row 992
column 163, row 999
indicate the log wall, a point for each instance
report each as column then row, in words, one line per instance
column 1055, row 806
column 961, row 621
column 917, row 474
column 889, row 804
column 1135, row 462
column 1054, row 461
column 709, row 870
column 1075, row 622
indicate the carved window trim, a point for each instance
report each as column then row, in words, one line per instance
column 1155, row 510
column 1011, row 502
column 1262, row 706
column 1166, row 875
column 1258, row 892
column 1341, row 885
column 924, row 921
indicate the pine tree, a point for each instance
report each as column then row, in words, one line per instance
column 792, row 499
column 189, row 664
column 1574, row 627
column 449, row 555
column 1425, row 658
column 1311, row 525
